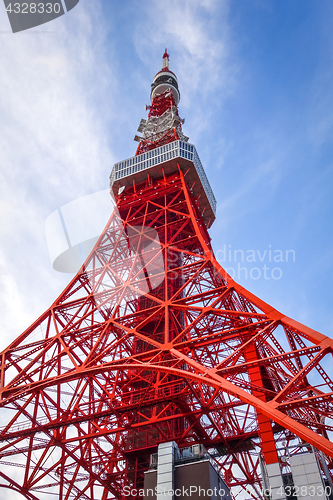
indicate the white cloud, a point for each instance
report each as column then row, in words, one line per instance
column 53, row 148
column 192, row 28
column 196, row 34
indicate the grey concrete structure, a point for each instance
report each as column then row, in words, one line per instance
column 275, row 481
column 307, row 477
column 165, row 470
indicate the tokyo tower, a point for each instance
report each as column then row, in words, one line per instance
column 152, row 342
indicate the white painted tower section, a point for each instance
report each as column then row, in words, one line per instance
column 165, row 80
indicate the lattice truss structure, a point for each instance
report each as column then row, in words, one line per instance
column 163, row 125
column 151, row 342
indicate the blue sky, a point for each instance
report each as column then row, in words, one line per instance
column 255, row 78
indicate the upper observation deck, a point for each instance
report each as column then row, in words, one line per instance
column 168, row 157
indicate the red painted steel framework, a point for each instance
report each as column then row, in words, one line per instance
column 150, row 342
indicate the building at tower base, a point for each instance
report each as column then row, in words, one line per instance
column 180, row 473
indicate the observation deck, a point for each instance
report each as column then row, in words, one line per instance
column 168, row 157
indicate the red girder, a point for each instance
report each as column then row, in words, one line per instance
column 116, row 366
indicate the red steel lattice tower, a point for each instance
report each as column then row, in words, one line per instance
column 152, row 341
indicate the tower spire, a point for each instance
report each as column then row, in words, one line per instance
column 164, row 124
column 165, row 63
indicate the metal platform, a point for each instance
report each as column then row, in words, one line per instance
column 168, row 157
